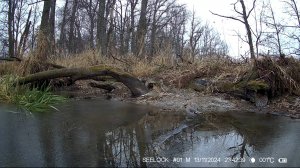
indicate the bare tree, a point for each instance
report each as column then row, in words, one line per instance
column 133, row 4
column 20, row 23
column 158, row 8
column 62, row 38
column 177, row 29
column 259, row 31
column 278, row 28
column 293, row 12
column 110, row 40
column 33, row 29
column 196, row 32
column 91, row 9
column 142, row 28
column 11, row 41
column 52, row 26
column 211, row 43
column 23, row 40
column 121, row 27
column 101, row 27
column 42, row 50
column 243, row 18
column 72, row 46
column 13, row 23
column 45, row 18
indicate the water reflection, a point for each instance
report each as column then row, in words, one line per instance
column 107, row 133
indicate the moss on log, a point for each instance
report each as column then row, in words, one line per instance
column 136, row 86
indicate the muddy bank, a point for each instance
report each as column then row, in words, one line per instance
column 186, row 100
column 190, row 100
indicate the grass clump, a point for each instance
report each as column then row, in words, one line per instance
column 39, row 101
column 270, row 76
column 32, row 100
column 7, row 90
column 257, row 85
column 281, row 77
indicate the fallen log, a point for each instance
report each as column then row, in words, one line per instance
column 109, row 88
column 136, row 86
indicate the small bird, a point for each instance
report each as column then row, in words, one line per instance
column 191, row 110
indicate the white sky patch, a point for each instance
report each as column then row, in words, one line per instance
column 226, row 27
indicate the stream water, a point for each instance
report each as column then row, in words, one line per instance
column 109, row 133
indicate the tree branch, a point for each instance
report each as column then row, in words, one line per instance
column 228, row 17
column 235, row 9
column 35, row 2
column 253, row 6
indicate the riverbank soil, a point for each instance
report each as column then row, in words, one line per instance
column 209, row 84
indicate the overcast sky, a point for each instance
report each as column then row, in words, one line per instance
column 226, row 27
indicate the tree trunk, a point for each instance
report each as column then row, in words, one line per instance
column 11, row 13
column 62, row 38
column 33, row 32
column 248, row 29
column 72, row 43
column 42, row 50
column 245, row 15
column 24, row 36
column 153, row 34
column 277, row 29
column 296, row 12
column 133, row 4
column 142, row 28
column 110, row 33
column 79, row 42
column 136, row 86
column 52, row 27
column 92, row 24
column 101, row 28
column 45, row 18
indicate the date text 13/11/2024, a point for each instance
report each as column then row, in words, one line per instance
column 212, row 160
column 187, row 159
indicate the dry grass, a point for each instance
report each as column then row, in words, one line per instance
column 35, row 57
column 282, row 75
column 139, row 67
column 144, row 69
column 161, row 67
column 210, row 66
column 85, row 59
column 9, row 68
column 217, row 67
column 292, row 67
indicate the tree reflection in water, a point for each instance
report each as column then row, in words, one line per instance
column 128, row 145
column 219, row 135
column 86, row 138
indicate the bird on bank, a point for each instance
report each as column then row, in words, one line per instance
column 191, row 110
